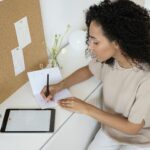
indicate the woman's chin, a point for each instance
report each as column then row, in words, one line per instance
column 101, row 60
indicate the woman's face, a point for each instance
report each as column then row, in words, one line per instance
column 99, row 44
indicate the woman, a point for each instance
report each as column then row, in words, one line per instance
column 119, row 38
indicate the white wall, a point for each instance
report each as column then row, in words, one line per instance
column 147, row 4
column 140, row 2
column 57, row 14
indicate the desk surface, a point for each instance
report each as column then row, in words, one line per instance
column 23, row 98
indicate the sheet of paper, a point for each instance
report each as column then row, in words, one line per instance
column 22, row 32
column 18, row 60
column 58, row 96
column 37, row 81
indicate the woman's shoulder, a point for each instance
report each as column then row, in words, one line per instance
column 98, row 68
column 145, row 81
column 95, row 63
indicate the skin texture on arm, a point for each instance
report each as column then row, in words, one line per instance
column 115, row 121
column 79, row 75
column 112, row 120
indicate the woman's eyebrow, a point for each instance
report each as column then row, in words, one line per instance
column 90, row 36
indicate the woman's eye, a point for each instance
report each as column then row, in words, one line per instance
column 92, row 41
column 96, row 43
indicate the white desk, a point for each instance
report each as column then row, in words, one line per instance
column 72, row 131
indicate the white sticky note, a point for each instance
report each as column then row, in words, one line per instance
column 18, row 60
column 22, row 32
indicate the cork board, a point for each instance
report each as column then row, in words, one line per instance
column 34, row 54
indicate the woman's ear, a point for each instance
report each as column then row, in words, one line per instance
column 116, row 45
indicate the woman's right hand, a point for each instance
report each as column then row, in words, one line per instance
column 53, row 89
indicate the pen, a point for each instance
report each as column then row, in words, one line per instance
column 47, row 86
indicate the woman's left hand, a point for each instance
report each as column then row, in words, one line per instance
column 74, row 104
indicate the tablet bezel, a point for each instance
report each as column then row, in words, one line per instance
column 6, row 116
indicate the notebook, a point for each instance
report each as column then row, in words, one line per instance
column 37, row 81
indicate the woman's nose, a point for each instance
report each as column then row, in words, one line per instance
column 90, row 46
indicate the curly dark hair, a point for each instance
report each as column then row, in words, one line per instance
column 126, row 23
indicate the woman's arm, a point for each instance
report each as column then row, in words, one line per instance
column 78, row 76
column 113, row 120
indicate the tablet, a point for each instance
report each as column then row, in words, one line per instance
column 28, row 120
